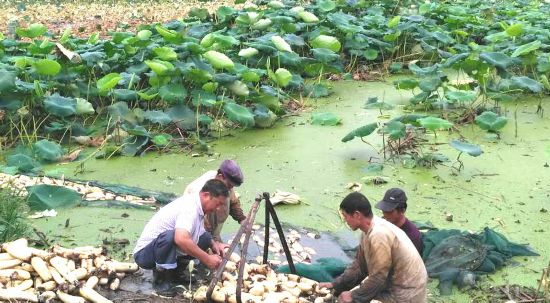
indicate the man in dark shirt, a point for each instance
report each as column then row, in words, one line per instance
column 393, row 206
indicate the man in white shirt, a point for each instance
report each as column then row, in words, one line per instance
column 175, row 229
column 231, row 175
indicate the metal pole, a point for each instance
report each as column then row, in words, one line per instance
column 271, row 209
column 266, row 237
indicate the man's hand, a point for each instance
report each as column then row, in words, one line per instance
column 213, row 261
column 219, row 247
column 345, row 297
column 326, row 285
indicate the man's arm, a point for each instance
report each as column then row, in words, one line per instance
column 183, row 240
column 235, row 209
column 351, row 277
column 379, row 263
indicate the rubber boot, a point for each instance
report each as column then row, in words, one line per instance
column 164, row 282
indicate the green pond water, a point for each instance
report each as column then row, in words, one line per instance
column 506, row 188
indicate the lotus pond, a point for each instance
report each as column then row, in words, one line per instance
column 457, row 119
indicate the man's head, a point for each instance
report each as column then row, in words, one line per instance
column 393, row 205
column 355, row 208
column 230, row 173
column 213, row 194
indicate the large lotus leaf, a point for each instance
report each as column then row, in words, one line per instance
column 370, row 54
column 10, row 104
column 84, row 107
column 375, row 103
column 239, row 88
column 60, row 106
column 47, row 67
column 23, row 163
column 308, row 17
column 239, row 114
column 361, row 132
column 464, row 147
column 395, row 129
column 461, row 96
column 281, row 76
column 263, row 117
column 48, row 151
column 281, row 44
column 7, row 80
column 148, row 94
column 219, row 60
column 92, row 58
column 326, row 5
column 514, row 30
column 183, row 116
column 325, row 119
column 409, row 119
column 45, row 196
column 248, row 52
column 406, row 83
column 293, row 39
column 224, row 13
column 434, row 123
column 165, row 53
column 423, row 71
column 173, row 93
column 108, row 81
column 526, row 83
column 527, row 48
column 250, row 76
column 455, row 59
column 203, row 98
column 224, row 41
column 34, row 30
column 134, row 145
column 324, row 55
column 168, row 34
column 290, row 59
column 157, row 116
column 124, row 94
column 120, row 111
column 429, row 84
column 198, row 75
column 498, row 59
column 328, row 42
column 159, row 67
column 490, row 121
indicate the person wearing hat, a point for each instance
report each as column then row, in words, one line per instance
column 231, row 175
column 393, row 207
column 387, row 267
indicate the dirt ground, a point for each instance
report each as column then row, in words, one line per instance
column 86, row 18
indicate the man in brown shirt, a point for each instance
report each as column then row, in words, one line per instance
column 387, row 266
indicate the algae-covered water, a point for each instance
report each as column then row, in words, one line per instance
column 506, row 188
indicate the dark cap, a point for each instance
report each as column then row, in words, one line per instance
column 394, row 198
column 232, row 172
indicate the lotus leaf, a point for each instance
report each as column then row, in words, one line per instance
column 144, row 35
column 263, row 117
column 183, row 116
column 499, row 60
column 276, row 4
column 250, row 76
column 224, row 13
column 239, row 88
column 47, row 67
column 34, row 30
column 248, row 52
column 204, row 98
column 326, row 5
column 165, row 53
column 461, row 96
column 282, row 77
column 328, row 42
column 429, row 84
column 375, row 103
column 157, row 116
column 281, row 44
column 45, row 196
column 426, row 71
column 395, row 129
column 434, row 123
column 120, row 111
column 162, row 140
column 83, row 107
column 297, row 9
column 261, row 24
column 23, row 163
column 317, row 90
column 108, row 82
column 134, row 145
column 490, row 121
column 159, row 67
column 308, row 17
column 239, row 114
column 168, row 35
column 48, row 151
column 526, row 83
column 173, row 93
column 7, row 81
column 514, row 30
column 370, row 54
column 325, row 119
column 201, row 13
column 361, row 132
column 219, row 60
column 527, row 48
column 394, row 21
column 125, row 94
column 406, row 83
column 60, row 106
column 464, row 147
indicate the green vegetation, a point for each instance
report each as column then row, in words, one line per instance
column 13, row 224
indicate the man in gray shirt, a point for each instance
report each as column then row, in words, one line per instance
column 175, row 229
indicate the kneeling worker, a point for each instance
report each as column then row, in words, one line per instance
column 175, row 229
column 387, row 266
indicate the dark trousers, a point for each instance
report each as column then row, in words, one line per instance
column 161, row 252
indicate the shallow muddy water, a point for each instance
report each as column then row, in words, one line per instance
column 506, row 188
